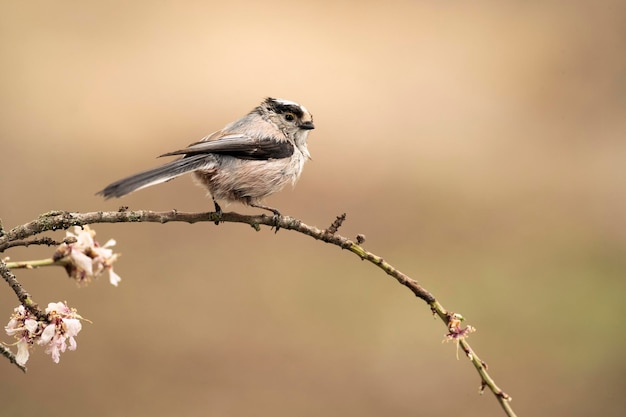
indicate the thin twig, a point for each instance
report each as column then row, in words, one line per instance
column 503, row 398
column 41, row 241
column 11, row 357
column 32, row 264
column 22, row 295
column 332, row 229
column 58, row 220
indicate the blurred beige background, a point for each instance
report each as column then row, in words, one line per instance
column 479, row 146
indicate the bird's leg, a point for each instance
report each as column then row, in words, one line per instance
column 276, row 216
column 218, row 211
column 273, row 210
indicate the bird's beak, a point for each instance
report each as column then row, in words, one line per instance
column 307, row 125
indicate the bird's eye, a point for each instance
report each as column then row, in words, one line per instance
column 289, row 117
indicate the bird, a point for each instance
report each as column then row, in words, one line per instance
column 246, row 161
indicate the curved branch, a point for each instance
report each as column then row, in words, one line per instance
column 57, row 220
column 11, row 357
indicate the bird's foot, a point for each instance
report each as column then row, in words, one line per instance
column 275, row 218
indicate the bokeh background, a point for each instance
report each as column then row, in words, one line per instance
column 480, row 146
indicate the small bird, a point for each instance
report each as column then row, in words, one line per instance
column 248, row 160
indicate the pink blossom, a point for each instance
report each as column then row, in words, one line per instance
column 61, row 323
column 86, row 259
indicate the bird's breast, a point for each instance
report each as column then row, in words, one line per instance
column 242, row 180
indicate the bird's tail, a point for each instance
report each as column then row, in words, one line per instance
column 155, row 176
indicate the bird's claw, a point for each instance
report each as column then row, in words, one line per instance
column 218, row 211
column 276, row 219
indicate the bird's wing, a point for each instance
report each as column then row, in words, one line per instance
column 239, row 146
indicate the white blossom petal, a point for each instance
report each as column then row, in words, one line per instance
column 102, row 251
column 114, row 279
column 23, row 352
column 84, row 236
column 31, row 325
column 53, row 350
column 58, row 307
column 47, row 334
column 82, row 261
column 72, row 343
column 72, row 327
column 60, row 342
column 110, row 242
column 12, row 327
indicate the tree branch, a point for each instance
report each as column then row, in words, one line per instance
column 58, row 220
column 21, row 293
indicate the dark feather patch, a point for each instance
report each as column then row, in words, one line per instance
column 281, row 108
column 240, row 147
column 261, row 150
